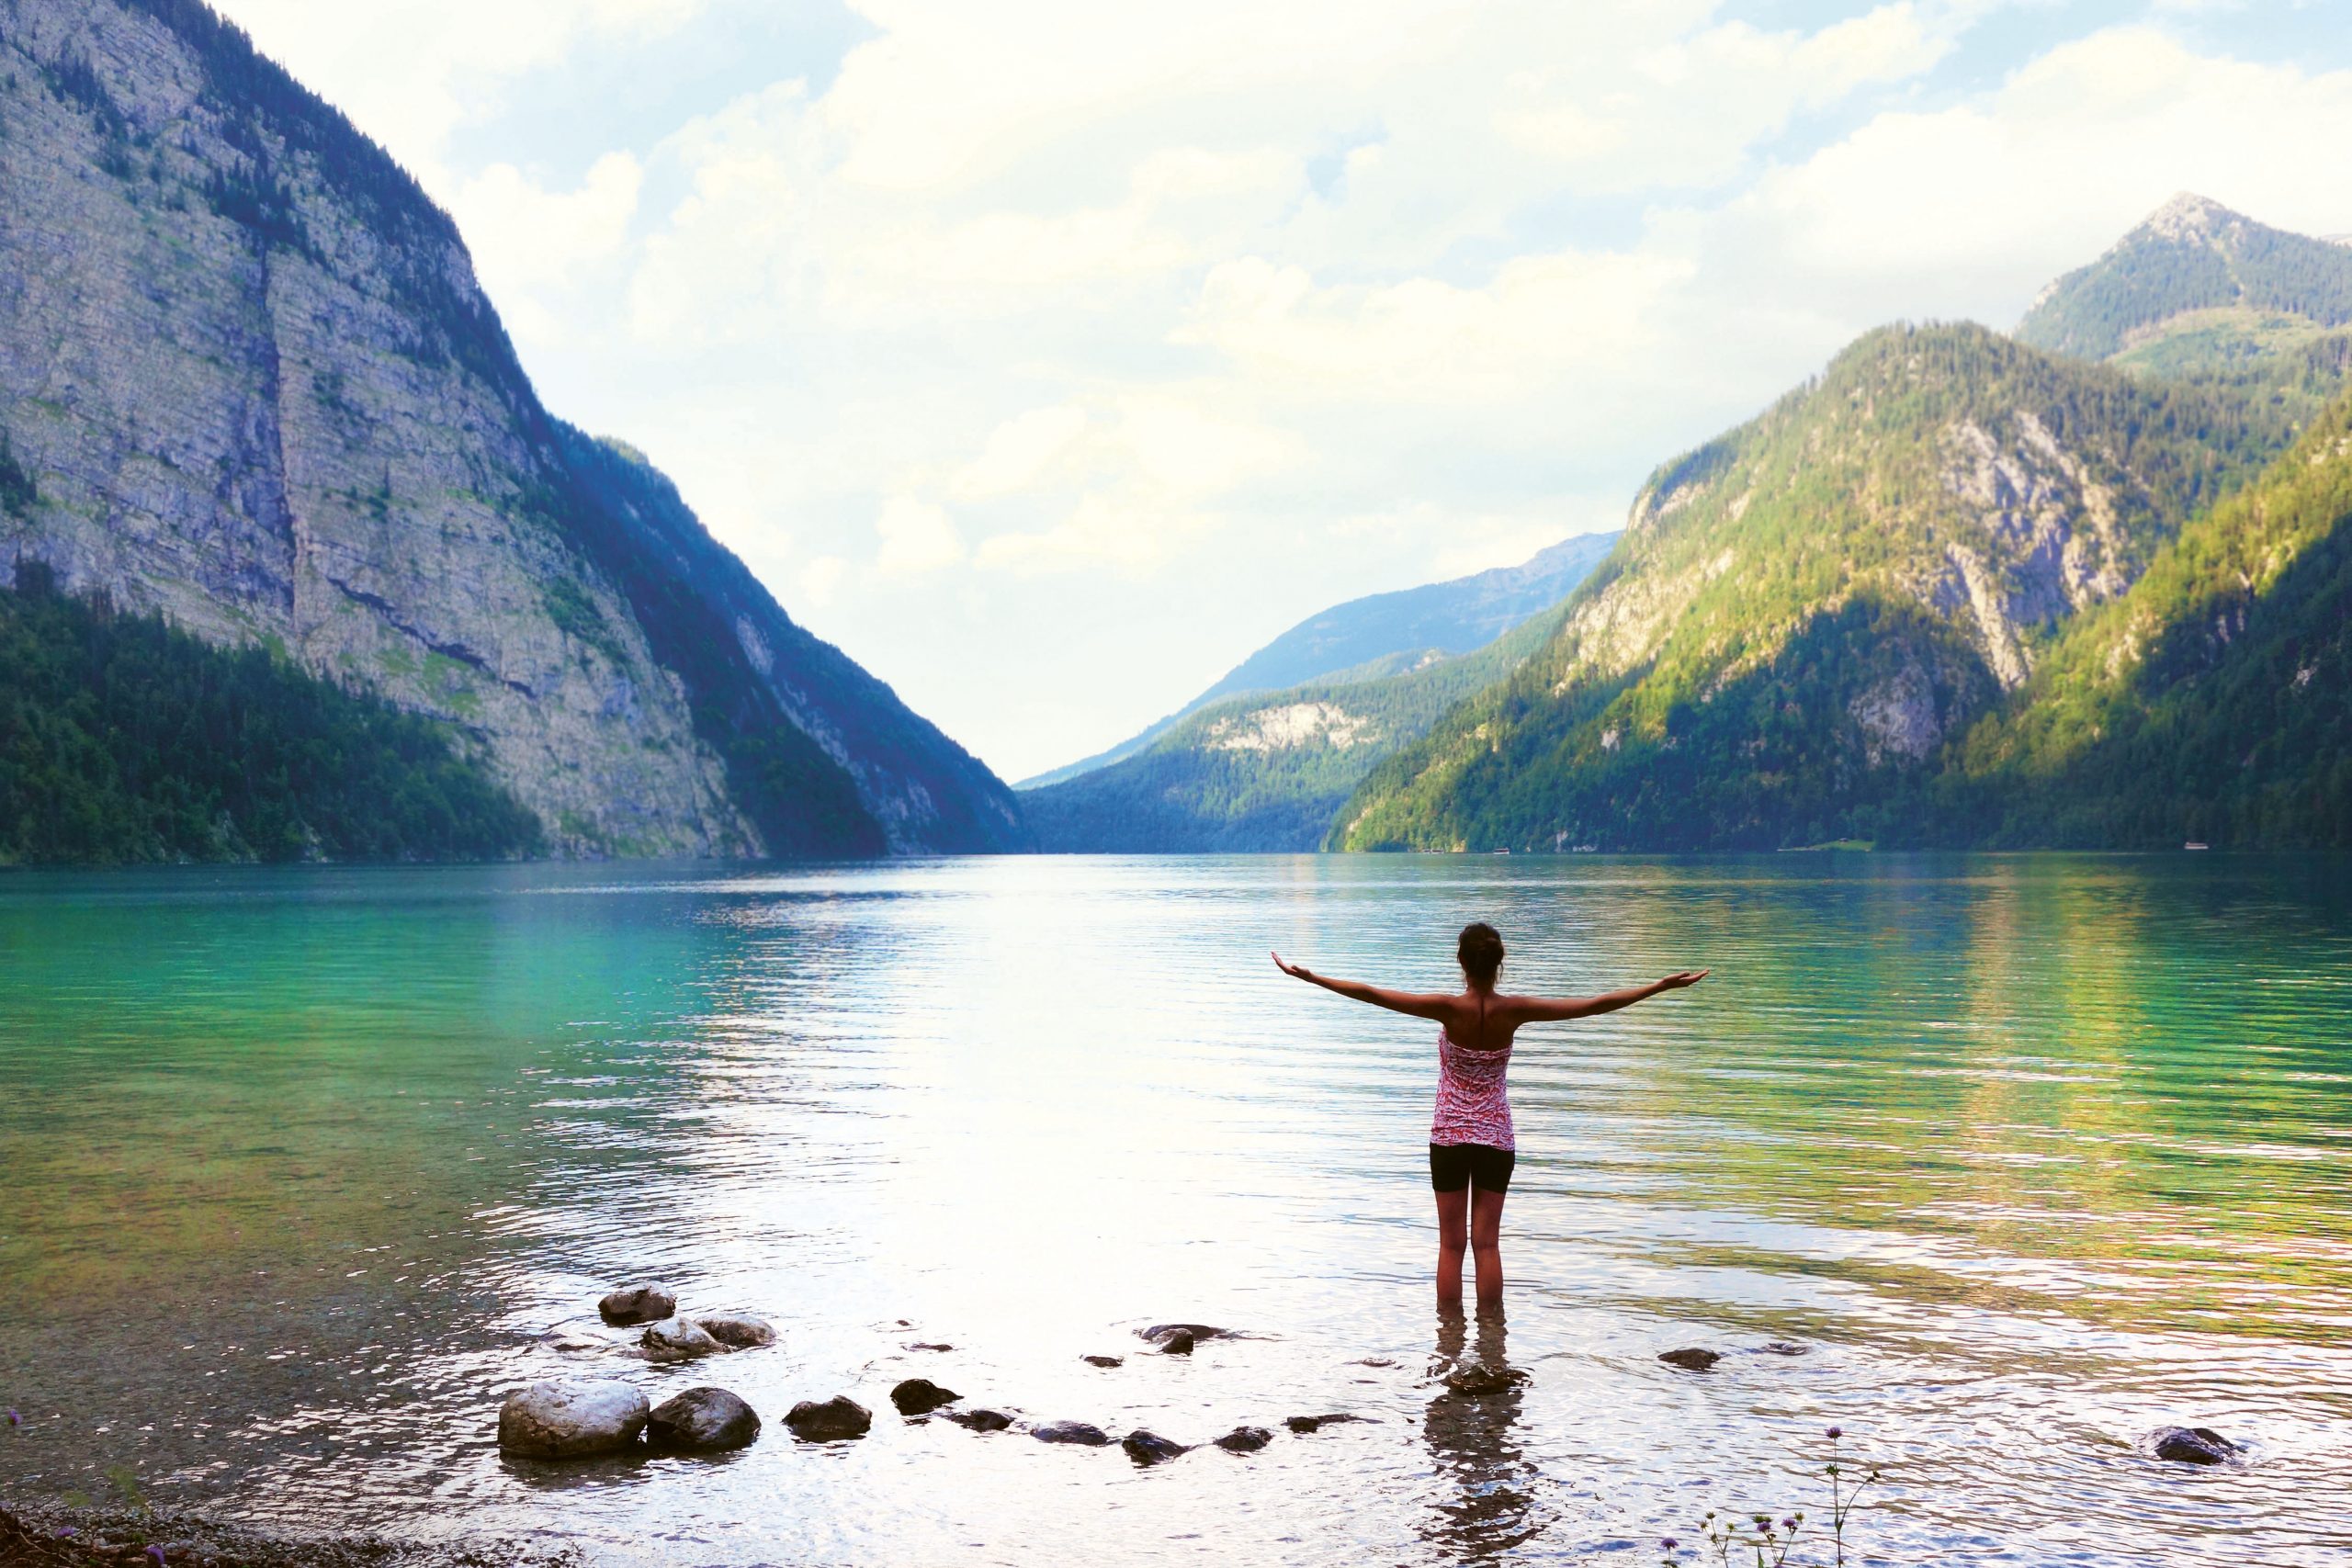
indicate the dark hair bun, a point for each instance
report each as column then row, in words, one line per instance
column 1480, row 952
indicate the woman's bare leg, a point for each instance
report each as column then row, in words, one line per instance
column 1453, row 1234
column 1487, row 1244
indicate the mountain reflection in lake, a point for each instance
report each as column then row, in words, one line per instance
column 306, row 1169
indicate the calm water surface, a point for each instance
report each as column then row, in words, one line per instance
column 305, row 1170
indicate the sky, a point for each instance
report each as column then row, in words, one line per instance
column 1052, row 356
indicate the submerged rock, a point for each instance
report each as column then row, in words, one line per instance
column 1786, row 1347
column 1245, row 1439
column 918, row 1345
column 921, row 1396
column 641, row 1302
column 739, row 1333
column 831, row 1421
column 979, row 1420
column 1478, row 1380
column 1303, row 1425
column 1078, row 1432
column 1690, row 1359
column 1195, row 1331
column 1150, row 1447
column 702, row 1420
column 679, row 1339
column 1104, row 1360
column 1177, row 1344
column 2191, row 1445
column 570, row 1420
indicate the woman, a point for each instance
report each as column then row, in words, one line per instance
column 1471, row 1147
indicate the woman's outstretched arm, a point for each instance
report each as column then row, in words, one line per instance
column 1544, row 1009
column 1418, row 1006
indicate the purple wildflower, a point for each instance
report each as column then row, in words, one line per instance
column 1669, row 1543
column 14, row 1420
column 155, row 1555
column 1836, row 1432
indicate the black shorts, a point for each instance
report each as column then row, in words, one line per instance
column 1453, row 1166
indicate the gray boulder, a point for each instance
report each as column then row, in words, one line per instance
column 642, row 1302
column 1071, row 1432
column 1180, row 1343
column 2191, row 1445
column 1245, row 1439
column 738, row 1333
column 830, row 1421
column 702, row 1420
column 679, row 1339
column 1150, row 1448
column 921, row 1396
column 571, row 1419
column 1690, row 1359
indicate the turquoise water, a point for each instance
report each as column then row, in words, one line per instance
column 306, row 1169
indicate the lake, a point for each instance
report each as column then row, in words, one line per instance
column 306, row 1169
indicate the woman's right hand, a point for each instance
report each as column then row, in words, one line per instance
column 1295, row 971
column 1687, row 977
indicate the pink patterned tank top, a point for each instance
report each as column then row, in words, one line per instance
column 1472, row 1104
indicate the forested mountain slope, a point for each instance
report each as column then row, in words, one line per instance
column 1384, row 634
column 1264, row 772
column 2197, row 286
column 2213, row 702
column 1806, row 613
column 248, row 380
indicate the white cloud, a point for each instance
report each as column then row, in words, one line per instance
column 917, row 536
column 1019, row 450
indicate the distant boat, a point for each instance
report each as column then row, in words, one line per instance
column 2193, row 844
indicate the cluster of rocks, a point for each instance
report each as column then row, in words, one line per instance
column 578, row 1418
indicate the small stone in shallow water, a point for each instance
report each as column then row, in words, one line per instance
column 739, row 1333
column 918, row 1345
column 1372, row 1361
column 1078, row 1432
column 702, row 1420
column 1245, row 1439
column 1478, row 1379
column 568, row 1420
column 979, row 1420
column 831, row 1421
column 1177, row 1344
column 679, row 1339
column 921, row 1396
column 641, row 1302
column 1150, row 1447
column 2191, row 1445
column 1786, row 1347
column 1104, row 1360
column 1197, row 1331
column 1303, row 1425
column 1690, row 1359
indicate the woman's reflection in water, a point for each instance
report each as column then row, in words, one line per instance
column 1490, row 1506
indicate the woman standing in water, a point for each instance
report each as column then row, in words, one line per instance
column 1471, row 1147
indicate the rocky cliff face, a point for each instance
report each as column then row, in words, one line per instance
column 246, row 369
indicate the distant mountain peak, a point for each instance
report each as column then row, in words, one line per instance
column 2196, row 284
column 2190, row 218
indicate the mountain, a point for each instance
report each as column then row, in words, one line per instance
column 1807, row 614
column 1264, row 772
column 2213, row 702
column 248, row 381
column 1384, row 634
column 2195, row 286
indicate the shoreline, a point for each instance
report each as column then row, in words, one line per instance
column 35, row 1537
